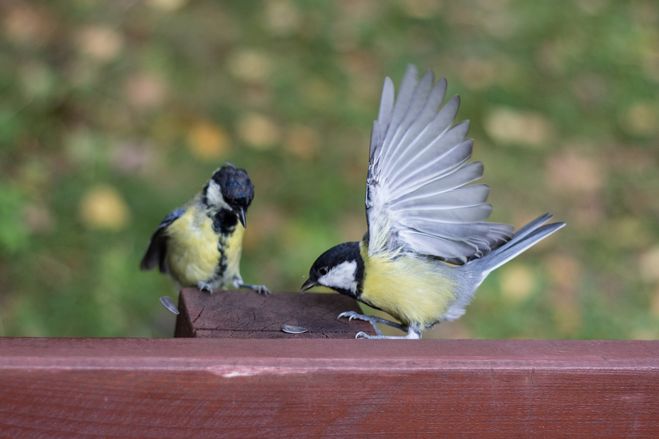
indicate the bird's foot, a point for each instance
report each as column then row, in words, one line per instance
column 260, row 289
column 350, row 315
column 412, row 334
column 205, row 287
column 373, row 320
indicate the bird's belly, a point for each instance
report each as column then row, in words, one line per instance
column 414, row 290
column 232, row 252
column 192, row 253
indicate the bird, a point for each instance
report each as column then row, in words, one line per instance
column 428, row 246
column 200, row 244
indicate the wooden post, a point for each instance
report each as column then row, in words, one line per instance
column 198, row 388
column 245, row 314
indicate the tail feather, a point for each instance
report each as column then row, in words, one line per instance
column 523, row 239
column 531, row 226
column 478, row 269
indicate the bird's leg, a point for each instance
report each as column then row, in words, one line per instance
column 260, row 289
column 413, row 333
column 373, row 320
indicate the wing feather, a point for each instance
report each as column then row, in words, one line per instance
column 426, row 132
column 419, row 194
column 452, row 214
column 458, row 178
column 400, row 108
column 436, row 168
column 413, row 113
column 465, row 196
column 384, row 118
column 157, row 251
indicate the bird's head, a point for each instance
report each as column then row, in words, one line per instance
column 340, row 268
column 230, row 188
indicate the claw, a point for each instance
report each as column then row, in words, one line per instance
column 259, row 289
column 350, row 315
column 205, row 287
column 362, row 334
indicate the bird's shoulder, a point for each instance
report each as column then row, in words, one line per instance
column 171, row 217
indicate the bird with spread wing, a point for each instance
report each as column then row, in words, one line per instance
column 428, row 245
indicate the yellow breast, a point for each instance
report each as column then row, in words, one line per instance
column 192, row 254
column 411, row 289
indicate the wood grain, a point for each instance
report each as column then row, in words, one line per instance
column 170, row 388
column 245, row 314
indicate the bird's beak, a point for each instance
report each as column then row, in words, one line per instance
column 242, row 216
column 308, row 284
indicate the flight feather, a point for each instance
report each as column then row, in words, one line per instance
column 419, row 194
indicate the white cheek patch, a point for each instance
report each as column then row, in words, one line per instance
column 214, row 195
column 341, row 276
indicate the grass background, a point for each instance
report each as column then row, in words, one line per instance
column 114, row 113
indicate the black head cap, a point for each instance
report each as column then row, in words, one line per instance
column 237, row 188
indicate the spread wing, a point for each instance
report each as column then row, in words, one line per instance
column 418, row 192
column 155, row 254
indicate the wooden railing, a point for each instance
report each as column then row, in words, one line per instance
column 237, row 387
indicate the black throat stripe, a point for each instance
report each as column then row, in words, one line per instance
column 224, row 224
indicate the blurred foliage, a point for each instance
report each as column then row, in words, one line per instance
column 113, row 113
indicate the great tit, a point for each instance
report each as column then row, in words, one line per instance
column 200, row 244
column 427, row 247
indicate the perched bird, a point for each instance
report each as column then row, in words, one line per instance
column 428, row 246
column 200, row 244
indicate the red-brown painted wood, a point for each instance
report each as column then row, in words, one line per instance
column 245, row 314
column 195, row 388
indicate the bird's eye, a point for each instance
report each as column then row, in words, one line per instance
column 323, row 271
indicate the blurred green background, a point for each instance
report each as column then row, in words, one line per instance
column 113, row 113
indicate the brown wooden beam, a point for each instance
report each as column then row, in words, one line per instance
column 245, row 314
column 170, row 388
